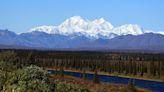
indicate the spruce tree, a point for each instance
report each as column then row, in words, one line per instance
column 96, row 77
column 83, row 74
column 61, row 72
column 130, row 87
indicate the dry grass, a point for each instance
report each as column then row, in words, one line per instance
column 93, row 87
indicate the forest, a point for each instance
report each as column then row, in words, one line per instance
column 16, row 65
column 143, row 64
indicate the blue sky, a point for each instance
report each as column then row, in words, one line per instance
column 21, row 15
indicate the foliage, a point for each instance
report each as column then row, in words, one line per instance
column 65, row 87
column 14, row 75
column 142, row 64
column 96, row 77
column 130, row 87
column 8, row 56
column 8, row 60
column 103, row 90
column 83, row 74
column 3, row 78
column 61, row 71
column 29, row 79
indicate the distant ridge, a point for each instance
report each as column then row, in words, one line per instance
column 76, row 33
column 44, row 41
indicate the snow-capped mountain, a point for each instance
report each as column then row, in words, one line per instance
column 46, row 29
column 36, row 39
column 99, row 28
column 79, row 33
column 132, row 29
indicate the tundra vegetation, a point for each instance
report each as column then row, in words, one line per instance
column 25, row 71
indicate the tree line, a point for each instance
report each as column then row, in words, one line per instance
column 13, row 64
column 121, row 63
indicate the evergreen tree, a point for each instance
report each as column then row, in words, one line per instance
column 61, row 71
column 83, row 74
column 130, row 87
column 96, row 77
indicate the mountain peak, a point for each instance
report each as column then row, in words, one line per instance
column 133, row 29
column 94, row 29
column 6, row 32
column 76, row 18
column 101, row 20
column 46, row 29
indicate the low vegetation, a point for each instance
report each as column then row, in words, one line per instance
column 130, row 87
column 29, row 78
column 141, row 65
column 26, row 74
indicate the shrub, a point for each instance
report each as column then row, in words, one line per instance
column 29, row 79
column 65, row 87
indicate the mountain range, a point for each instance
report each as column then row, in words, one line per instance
column 99, row 28
column 79, row 33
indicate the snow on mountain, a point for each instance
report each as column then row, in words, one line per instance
column 37, row 39
column 73, row 25
column 46, row 29
column 158, row 32
column 161, row 32
column 128, row 29
column 80, row 33
column 99, row 28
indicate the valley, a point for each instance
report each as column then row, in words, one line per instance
column 136, row 66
